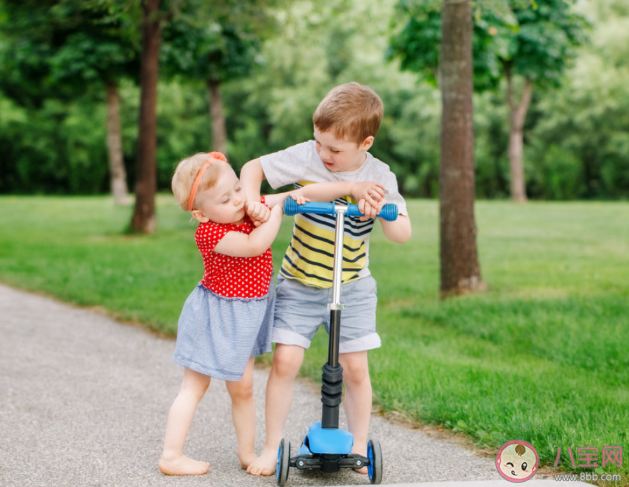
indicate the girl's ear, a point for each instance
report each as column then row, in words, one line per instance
column 200, row 216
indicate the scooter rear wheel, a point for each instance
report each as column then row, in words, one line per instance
column 283, row 460
column 374, row 453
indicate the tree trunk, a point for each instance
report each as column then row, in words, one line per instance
column 460, row 271
column 114, row 148
column 144, row 219
column 219, row 134
column 517, row 115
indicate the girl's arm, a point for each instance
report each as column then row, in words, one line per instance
column 236, row 244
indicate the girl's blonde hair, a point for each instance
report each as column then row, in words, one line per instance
column 186, row 172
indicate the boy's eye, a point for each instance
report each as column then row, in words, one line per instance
column 335, row 151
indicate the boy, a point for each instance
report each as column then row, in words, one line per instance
column 345, row 124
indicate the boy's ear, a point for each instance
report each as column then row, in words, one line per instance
column 367, row 143
column 200, row 216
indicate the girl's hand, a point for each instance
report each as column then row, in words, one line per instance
column 258, row 212
column 369, row 191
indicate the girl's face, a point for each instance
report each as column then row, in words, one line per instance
column 224, row 202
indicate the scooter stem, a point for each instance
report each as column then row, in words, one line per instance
column 332, row 379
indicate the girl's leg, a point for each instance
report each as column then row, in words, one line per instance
column 173, row 461
column 244, row 415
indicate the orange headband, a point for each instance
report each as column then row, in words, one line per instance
column 193, row 192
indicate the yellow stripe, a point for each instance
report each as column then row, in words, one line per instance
column 316, row 275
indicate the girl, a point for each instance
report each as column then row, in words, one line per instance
column 228, row 318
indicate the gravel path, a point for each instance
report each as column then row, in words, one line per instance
column 84, row 402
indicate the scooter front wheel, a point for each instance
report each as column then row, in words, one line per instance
column 374, row 453
column 283, row 460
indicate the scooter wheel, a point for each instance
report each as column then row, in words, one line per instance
column 374, row 453
column 283, row 460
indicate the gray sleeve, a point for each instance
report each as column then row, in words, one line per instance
column 392, row 194
column 286, row 166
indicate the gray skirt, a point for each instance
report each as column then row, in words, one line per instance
column 216, row 335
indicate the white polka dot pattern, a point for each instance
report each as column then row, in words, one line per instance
column 233, row 277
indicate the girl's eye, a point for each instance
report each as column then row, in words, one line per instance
column 238, row 188
column 335, row 151
column 524, row 465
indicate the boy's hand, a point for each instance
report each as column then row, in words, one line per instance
column 369, row 191
column 258, row 212
column 370, row 211
column 296, row 195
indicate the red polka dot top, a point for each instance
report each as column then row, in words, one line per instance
column 233, row 277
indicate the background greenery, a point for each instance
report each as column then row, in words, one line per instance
column 541, row 356
column 576, row 138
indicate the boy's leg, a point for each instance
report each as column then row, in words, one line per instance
column 244, row 414
column 357, row 399
column 173, row 461
column 287, row 360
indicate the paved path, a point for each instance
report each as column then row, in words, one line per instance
column 84, row 401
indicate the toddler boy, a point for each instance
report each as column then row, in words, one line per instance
column 345, row 124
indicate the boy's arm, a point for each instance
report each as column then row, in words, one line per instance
column 251, row 177
column 398, row 231
column 238, row 244
column 367, row 191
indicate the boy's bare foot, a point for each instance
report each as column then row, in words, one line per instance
column 183, row 466
column 361, row 451
column 246, row 459
column 265, row 464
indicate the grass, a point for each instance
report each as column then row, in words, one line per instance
column 543, row 356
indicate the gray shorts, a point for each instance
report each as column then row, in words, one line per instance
column 301, row 309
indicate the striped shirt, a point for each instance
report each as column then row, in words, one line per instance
column 310, row 255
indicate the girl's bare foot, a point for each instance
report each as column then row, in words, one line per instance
column 265, row 464
column 246, row 459
column 182, row 465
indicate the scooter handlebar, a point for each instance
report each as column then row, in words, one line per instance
column 389, row 211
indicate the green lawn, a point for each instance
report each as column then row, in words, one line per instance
column 543, row 356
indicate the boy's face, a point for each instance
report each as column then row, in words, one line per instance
column 339, row 155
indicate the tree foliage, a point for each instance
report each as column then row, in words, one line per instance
column 535, row 38
column 58, row 147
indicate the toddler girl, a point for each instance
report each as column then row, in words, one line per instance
column 228, row 318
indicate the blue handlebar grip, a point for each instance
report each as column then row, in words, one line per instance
column 389, row 211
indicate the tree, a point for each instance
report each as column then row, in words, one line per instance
column 218, row 49
column 214, row 52
column 144, row 219
column 530, row 39
column 61, row 48
column 460, row 271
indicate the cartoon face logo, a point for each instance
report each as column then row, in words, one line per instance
column 517, row 461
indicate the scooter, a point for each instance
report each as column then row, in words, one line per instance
column 326, row 447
